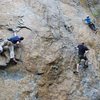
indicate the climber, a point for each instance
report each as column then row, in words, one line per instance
column 7, row 45
column 82, row 51
column 90, row 23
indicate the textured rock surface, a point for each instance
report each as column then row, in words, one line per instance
column 45, row 71
column 93, row 6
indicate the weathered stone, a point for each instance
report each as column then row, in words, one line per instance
column 51, row 30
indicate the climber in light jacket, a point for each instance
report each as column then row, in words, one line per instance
column 15, row 40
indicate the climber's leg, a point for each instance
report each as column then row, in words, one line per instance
column 92, row 26
column 4, row 47
column 78, row 62
column 12, row 55
column 77, row 69
column 86, row 61
column 86, row 64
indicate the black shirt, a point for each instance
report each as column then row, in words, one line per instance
column 82, row 49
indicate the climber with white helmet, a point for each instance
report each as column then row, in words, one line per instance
column 90, row 23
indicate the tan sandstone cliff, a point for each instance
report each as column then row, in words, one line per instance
column 45, row 71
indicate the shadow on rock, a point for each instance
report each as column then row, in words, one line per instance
column 9, row 64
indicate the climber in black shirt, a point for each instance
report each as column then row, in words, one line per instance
column 82, row 50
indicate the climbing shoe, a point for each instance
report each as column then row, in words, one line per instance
column 12, row 61
column 75, row 72
column 86, row 66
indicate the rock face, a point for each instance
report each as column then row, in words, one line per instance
column 93, row 7
column 51, row 28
